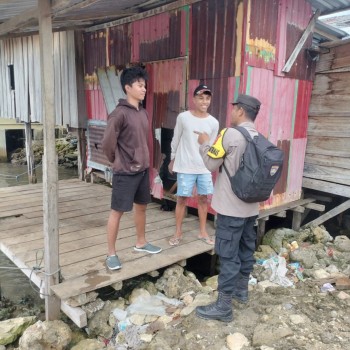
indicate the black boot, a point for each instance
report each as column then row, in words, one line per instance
column 221, row 310
column 240, row 291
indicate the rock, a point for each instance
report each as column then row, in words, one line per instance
column 174, row 283
column 264, row 284
column 236, row 341
column 139, row 293
column 117, row 285
column 89, row 344
column 321, row 235
column 264, row 252
column 93, row 307
column 342, row 243
column 154, row 273
column 82, row 299
column 320, row 274
column 13, row 328
column 212, row 282
column 305, row 256
column 98, row 324
column 343, row 296
column 147, row 338
column 46, row 335
column 278, row 238
column 267, row 334
column 298, row 319
column 137, row 320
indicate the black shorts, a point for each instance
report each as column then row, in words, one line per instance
column 130, row 189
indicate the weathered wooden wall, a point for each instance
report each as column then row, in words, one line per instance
column 327, row 163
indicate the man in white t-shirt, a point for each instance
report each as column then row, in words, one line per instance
column 187, row 162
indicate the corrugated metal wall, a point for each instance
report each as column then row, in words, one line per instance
column 232, row 46
column 327, row 163
column 24, row 103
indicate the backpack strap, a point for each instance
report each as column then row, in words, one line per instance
column 246, row 135
column 244, row 132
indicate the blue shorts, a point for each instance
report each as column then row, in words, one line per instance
column 186, row 182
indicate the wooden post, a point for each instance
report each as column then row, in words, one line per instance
column 81, row 153
column 50, row 177
column 29, row 154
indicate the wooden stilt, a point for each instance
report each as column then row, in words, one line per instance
column 29, row 154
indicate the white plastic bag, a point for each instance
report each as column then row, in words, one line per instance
column 279, row 269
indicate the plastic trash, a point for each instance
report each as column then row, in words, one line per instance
column 120, row 314
column 279, row 269
column 327, row 287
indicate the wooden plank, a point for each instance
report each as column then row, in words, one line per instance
column 287, row 206
column 315, row 206
column 329, row 161
column 332, row 127
column 335, row 211
column 76, row 314
column 337, row 147
column 328, row 187
column 330, row 105
column 145, row 264
column 325, row 173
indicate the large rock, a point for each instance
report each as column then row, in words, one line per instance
column 12, row 329
column 267, row 334
column 89, row 344
column 46, row 335
column 306, row 256
column 342, row 243
column 278, row 238
column 174, row 283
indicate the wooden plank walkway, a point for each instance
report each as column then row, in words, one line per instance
column 83, row 214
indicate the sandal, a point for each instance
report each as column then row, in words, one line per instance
column 207, row 240
column 175, row 241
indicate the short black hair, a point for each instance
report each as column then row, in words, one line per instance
column 250, row 112
column 132, row 74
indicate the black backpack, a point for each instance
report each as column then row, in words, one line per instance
column 259, row 170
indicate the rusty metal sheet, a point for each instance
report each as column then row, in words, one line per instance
column 293, row 18
column 212, row 39
column 94, row 50
column 302, row 109
column 283, row 119
column 96, row 157
column 261, row 33
column 166, row 91
column 119, row 45
column 95, row 104
column 159, row 37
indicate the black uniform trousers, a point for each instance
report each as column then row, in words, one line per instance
column 235, row 244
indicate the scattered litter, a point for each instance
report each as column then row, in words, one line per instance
column 279, row 269
column 327, row 287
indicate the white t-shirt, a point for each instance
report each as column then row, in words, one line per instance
column 185, row 146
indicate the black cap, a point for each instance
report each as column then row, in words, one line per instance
column 201, row 89
column 249, row 101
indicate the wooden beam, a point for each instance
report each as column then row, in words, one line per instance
column 301, row 43
column 328, row 187
column 18, row 21
column 335, row 211
column 50, row 177
column 165, row 8
column 76, row 314
column 315, row 206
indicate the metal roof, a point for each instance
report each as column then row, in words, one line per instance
column 70, row 14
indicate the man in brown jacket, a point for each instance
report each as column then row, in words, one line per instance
column 126, row 147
